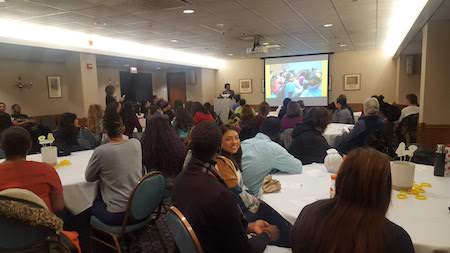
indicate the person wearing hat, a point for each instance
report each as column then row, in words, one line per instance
column 262, row 154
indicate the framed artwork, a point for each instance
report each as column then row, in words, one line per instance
column 245, row 86
column 352, row 82
column 54, row 86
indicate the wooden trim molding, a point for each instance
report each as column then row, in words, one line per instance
column 430, row 135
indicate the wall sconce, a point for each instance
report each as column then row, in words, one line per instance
column 20, row 84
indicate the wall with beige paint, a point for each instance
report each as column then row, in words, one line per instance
column 233, row 70
column 378, row 75
column 34, row 101
column 408, row 83
column 435, row 77
column 202, row 89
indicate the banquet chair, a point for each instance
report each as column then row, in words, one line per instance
column 182, row 232
column 16, row 233
column 286, row 137
column 143, row 209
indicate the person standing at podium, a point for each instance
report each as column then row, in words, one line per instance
column 228, row 90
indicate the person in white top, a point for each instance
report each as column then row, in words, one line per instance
column 412, row 108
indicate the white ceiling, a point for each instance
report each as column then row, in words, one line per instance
column 441, row 14
column 297, row 25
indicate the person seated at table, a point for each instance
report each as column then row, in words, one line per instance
column 166, row 109
column 308, row 143
column 130, row 120
column 368, row 131
column 162, row 149
column 246, row 116
column 69, row 137
column 20, row 119
column 250, row 128
column 209, row 206
column 182, row 123
column 411, row 108
column 229, row 167
column 343, row 113
column 5, row 118
column 95, row 121
column 293, row 116
column 283, row 108
column 209, row 108
column 354, row 219
column 261, row 155
column 17, row 172
column 117, row 166
column 201, row 114
column 238, row 110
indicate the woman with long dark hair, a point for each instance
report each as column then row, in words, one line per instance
column 201, row 114
column 353, row 221
column 182, row 122
column 162, row 149
column 69, row 137
column 293, row 116
column 229, row 167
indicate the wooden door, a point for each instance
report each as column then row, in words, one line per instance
column 176, row 86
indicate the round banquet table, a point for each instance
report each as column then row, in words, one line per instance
column 334, row 131
column 78, row 194
column 426, row 221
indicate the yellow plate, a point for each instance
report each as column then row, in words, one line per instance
column 402, row 196
column 421, row 197
column 425, row 184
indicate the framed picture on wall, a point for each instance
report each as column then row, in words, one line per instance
column 245, row 86
column 54, row 86
column 352, row 82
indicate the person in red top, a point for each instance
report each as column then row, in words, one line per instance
column 17, row 172
column 201, row 114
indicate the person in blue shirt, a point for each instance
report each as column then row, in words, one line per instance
column 261, row 155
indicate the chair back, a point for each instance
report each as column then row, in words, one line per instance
column 146, row 197
column 15, row 234
column 286, row 137
column 182, row 232
column 408, row 127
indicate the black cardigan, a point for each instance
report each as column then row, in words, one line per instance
column 308, row 144
column 213, row 212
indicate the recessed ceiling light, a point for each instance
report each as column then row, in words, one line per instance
column 188, row 11
column 220, row 25
column 174, row 41
column 328, row 25
column 230, row 54
column 265, row 43
column 2, row 1
column 341, row 44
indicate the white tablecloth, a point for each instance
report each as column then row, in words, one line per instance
column 78, row 194
column 334, row 131
column 426, row 221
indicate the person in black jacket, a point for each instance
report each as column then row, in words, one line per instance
column 203, row 197
column 308, row 143
column 368, row 131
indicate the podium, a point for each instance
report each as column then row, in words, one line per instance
column 222, row 107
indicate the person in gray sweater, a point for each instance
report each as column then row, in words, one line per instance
column 344, row 113
column 117, row 166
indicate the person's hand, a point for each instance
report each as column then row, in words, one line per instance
column 122, row 99
column 273, row 232
column 258, row 226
